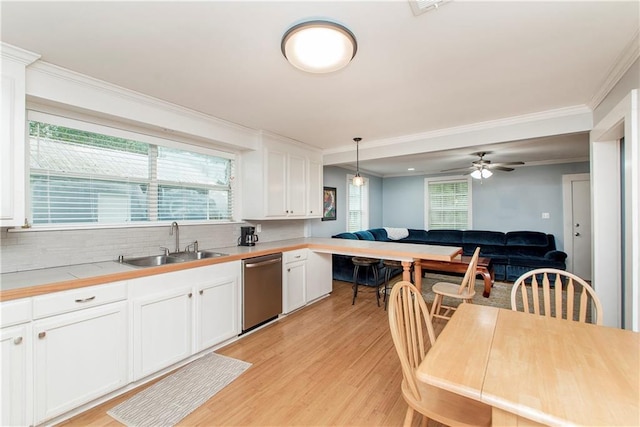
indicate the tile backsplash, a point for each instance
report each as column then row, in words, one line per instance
column 31, row 250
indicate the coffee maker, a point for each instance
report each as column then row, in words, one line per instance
column 248, row 236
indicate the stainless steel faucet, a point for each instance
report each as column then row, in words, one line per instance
column 175, row 225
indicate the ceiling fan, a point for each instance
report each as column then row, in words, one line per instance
column 482, row 168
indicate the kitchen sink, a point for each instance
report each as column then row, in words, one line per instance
column 189, row 256
column 152, row 260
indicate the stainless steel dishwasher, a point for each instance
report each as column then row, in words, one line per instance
column 262, row 290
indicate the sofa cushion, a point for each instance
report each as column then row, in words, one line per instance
column 445, row 237
column 380, row 234
column 364, row 235
column 527, row 238
column 483, row 238
column 415, row 236
column 350, row 236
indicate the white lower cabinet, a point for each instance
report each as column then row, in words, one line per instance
column 178, row 314
column 78, row 357
column 306, row 277
column 217, row 311
column 161, row 330
column 15, row 360
column 294, row 277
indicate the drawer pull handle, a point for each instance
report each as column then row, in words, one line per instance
column 17, row 340
column 41, row 335
column 297, row 256
column 85, row 299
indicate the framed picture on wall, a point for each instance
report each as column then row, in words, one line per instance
column 329, row 204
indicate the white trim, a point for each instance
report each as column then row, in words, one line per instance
column 18, row 54
column 536, row 125
column 50, row 83
column 622, row 64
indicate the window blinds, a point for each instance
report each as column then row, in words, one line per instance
column 78, row 176
column 448, row 205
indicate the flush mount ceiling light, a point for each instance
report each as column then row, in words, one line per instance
column 319, row 46
column 357, row 180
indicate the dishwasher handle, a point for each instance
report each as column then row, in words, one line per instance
column 263, row 263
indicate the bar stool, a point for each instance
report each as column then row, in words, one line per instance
column 368, row 263
column 390, row 264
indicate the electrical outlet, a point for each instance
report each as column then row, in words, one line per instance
column 545, row 215
column 258, row 228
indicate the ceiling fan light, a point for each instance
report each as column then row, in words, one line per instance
column 476, row 174
column 319, row 46
column 486, row 173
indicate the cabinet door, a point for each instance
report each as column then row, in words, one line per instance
column 78, row 357
column 217, row 312
column 319, row 276
column 162, row 330
column 276, row 181
column 297, row 186
column 294, row 284
column 12, row 143
column 314, row 190
column 15, row 364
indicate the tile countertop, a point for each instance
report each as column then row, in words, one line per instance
column 37, row 282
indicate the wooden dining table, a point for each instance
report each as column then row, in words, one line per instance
column 533, row 369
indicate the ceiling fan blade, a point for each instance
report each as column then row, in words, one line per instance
column 500, row 168
column 470, row 169
column 507, row 163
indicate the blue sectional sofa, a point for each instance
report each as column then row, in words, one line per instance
column 512, row 254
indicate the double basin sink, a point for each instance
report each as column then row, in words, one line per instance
column 172, row 258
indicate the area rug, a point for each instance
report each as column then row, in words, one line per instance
column 176, row 396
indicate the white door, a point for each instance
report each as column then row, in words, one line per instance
column 294, row 285
column 14, row 343
column 577, row 222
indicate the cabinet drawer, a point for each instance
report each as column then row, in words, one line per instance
column 15, row 312
column 77, row 299
column 292, row 256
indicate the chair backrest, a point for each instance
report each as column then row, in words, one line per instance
column 409, row 320
column 561, row 302
column 469, row 279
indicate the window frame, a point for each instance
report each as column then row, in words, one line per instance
column 364, row 204
column 444, row 179
column 99, row 126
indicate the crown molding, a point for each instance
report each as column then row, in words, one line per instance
column 18, row 54
column 559, row 113
column 623, row 62
column 83, row 89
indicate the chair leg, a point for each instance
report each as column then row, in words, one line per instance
column 355, row 284
column 375, row 281
column 387, row 274
column 408, row 418
column 435, row 308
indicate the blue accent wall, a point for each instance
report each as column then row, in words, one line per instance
column 508, row 201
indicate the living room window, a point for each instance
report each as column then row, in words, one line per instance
column 83, row 173
column 357, row 205
column 448, row 203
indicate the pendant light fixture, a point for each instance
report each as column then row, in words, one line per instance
column 357, row 180
column 319, row 46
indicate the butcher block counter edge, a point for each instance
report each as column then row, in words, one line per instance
column 387, row 250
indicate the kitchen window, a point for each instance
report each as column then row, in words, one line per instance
column 357, row 205
column 448, row 203
column 84, row 173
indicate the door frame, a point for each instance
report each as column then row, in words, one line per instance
column 567, row 213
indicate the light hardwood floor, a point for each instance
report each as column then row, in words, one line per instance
column 329, row 364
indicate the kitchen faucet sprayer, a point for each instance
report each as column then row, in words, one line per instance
column 175, row 224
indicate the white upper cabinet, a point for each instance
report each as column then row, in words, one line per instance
column 12, row 135
column 278, row 181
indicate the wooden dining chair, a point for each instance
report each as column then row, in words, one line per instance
column 539, row 298
column 412, row 334
column 463, row 292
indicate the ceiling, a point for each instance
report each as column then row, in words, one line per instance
column 466, row 62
